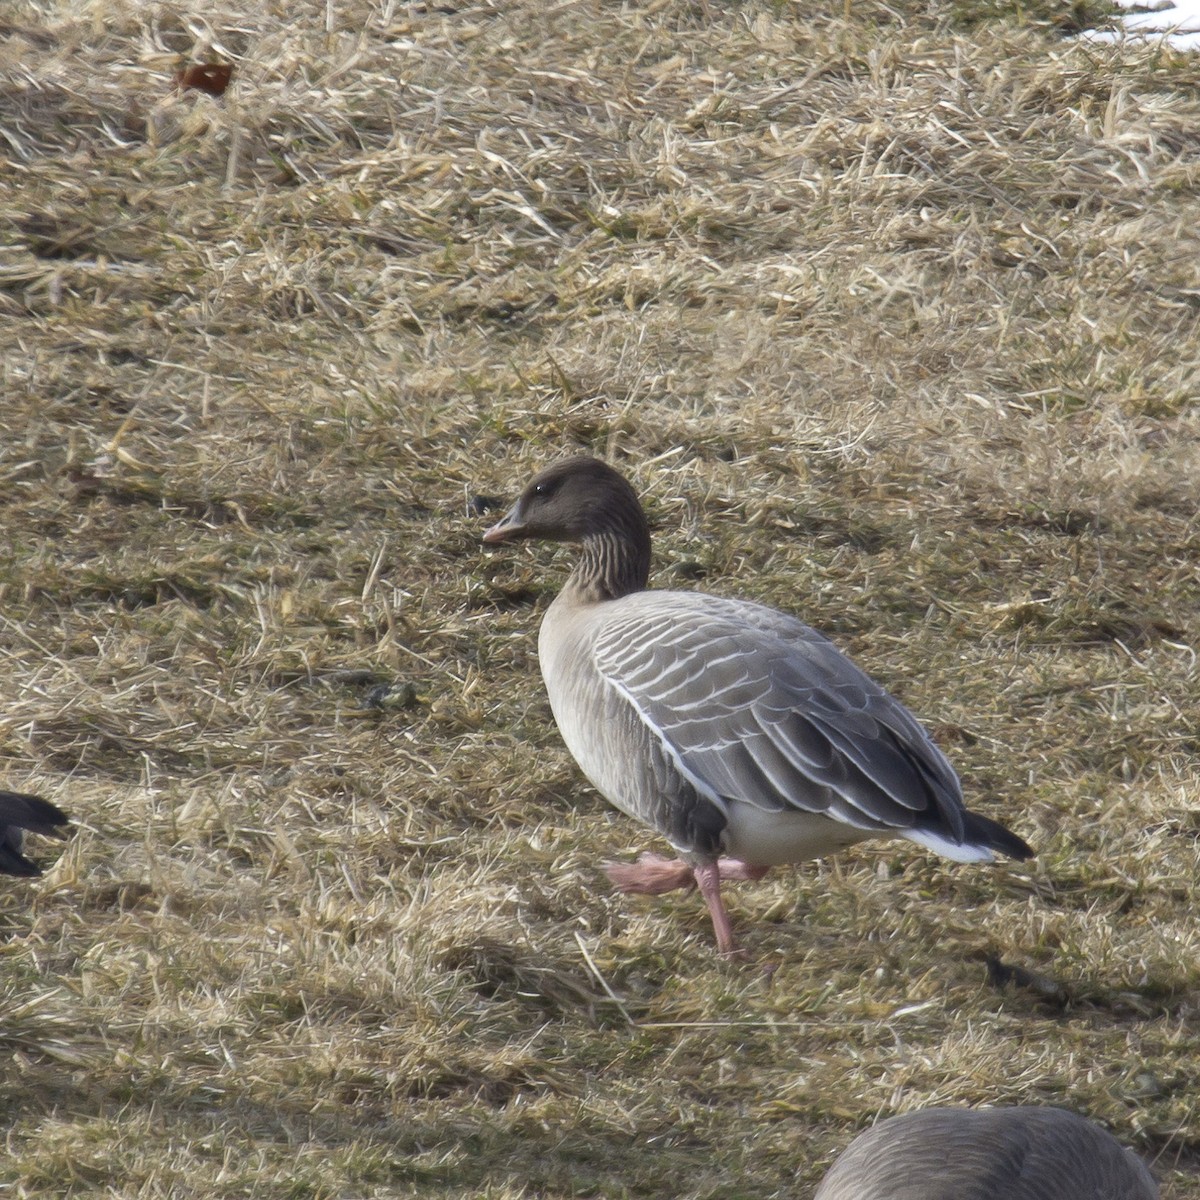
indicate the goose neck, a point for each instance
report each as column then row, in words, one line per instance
column 613, row 563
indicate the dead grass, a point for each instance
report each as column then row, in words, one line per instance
column 893, row 319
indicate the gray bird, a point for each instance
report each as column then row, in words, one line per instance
column 744, row 737
column 988, row 1154
column 18, row 814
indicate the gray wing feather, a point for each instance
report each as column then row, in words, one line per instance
column 763, row 709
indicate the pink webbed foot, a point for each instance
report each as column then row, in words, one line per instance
column 733, row 869
column 651, row 875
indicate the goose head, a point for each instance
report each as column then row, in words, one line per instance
column 569, row 501
column 584, row 500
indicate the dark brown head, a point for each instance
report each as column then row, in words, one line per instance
column 585, row 500
column 568, row 502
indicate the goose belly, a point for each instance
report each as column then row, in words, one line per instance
column 772, row 839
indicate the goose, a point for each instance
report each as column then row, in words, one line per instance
column 19, row 813
column 1020, row 1153
column 745, row 738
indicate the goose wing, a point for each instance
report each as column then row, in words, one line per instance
column 751, row 705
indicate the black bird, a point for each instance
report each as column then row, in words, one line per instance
column 19, row 813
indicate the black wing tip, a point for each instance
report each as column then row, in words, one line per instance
column 986, row 832
column 1019, row 849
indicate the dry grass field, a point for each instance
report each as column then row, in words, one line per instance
column 892, row 312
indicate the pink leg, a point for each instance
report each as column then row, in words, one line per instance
column 708, row 880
